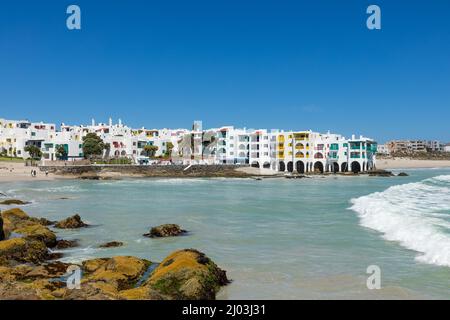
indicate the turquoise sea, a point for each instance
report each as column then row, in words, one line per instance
column 277, row 238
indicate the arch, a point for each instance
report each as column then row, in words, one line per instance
column 242, row 155
column 290, row 166
column 300, row 167
column 117, row 153
column 266, row 165
column 242, row 147
column 318, row 167
column 255, row 164
column 299, row 154
column 123, row 153
column 344, row 167
column 281, row 166
column 335, row 167
column 274, row 165
column 222, row 150
column 318, row 155
column 299, row 145
column 356, row 167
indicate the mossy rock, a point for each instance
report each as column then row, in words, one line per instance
column 165, row 230
column 38, row 232
column 9, row 202
column 120, row 272
column 73, row 222
column 188, row 275
column 22, row 250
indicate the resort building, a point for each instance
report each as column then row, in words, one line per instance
column 278, row 150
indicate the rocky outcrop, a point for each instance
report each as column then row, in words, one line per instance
column 183, row 275
column 26, row 273
column 165, row 230
column 65, row 244
column 17, row 221
column 111, row 244
column 73, row 222
column 9, row 202
column 380, row 173
column 20, row 250
column 402, row 174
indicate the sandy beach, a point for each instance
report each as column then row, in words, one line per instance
column 17, row 171
column 404, row 163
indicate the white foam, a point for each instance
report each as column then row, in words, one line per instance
column 415, row 214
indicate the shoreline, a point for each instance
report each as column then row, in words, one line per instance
column 17, row 171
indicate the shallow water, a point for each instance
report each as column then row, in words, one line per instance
column 277, row 238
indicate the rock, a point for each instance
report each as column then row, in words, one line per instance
column 38, row 232
column 187, row 275
column 402, row 174
column 9, row 202
column 16, row 220
column 64, row 244
column 380, row 173
column 22, row 250
column 2, row 233
column 165, row 230
column 73, row 222
column 111, row 244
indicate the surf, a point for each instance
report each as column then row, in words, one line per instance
column 416, row 215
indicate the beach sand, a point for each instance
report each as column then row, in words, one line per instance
column 17, row 171
column 404, row 163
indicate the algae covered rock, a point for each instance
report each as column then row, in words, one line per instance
column 16, row 220
column 188, row 275
column 73, row 222
column 9, row 202
column 165, row 230
column 22, row 250
column 111, row 244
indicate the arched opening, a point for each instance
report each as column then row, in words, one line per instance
column 242, row 155
column 335, row 167
column 299, row 146
column 255, row 164
column 344, row 167
column 299, row 155
column 281, row 166
column 290, row 166
column 356, row 167
column 300, row 167
column 266, row 165
column 274, row 166
column 123, row 153
column 318, row 167
column 117, row 153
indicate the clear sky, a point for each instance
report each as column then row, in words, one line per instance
column 249, row 63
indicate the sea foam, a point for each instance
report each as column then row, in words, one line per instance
column 417, row 215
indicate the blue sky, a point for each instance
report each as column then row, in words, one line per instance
column 253, row 63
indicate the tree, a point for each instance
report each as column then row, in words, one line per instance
column 93, row 145
column 35, row 152
column 150, row 150
column 61, row 152
column 169, row 148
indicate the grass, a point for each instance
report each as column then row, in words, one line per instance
column 11, row 159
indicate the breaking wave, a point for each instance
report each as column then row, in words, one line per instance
column 417, row 215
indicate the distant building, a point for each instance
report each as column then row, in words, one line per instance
column 447, row 147
column 383, row 149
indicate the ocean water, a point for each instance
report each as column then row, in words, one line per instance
column 277, row 238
